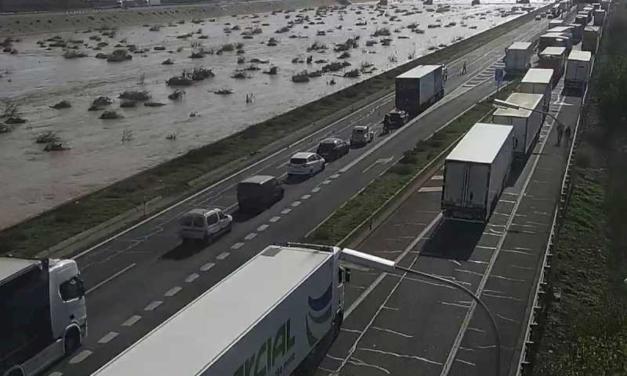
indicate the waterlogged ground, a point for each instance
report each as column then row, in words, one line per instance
column 103, row 151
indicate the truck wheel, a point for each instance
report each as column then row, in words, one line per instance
column 72, row 341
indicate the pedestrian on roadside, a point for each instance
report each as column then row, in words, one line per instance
column 567, row 133
column 464, row 68
column 560, row 133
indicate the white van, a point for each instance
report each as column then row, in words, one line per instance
column 204, row 224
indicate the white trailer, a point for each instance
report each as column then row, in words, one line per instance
column 538, row 81
column 419, row 88
column 263, row 319
column 555, row 23
column 605, row 5
column 553, row 40
column 42, row 313
column 565, row 30
column 553, row 58
column 578, row 67
column 590, row 40
column 518, row 57
column 475, row 172
column 527, row 120
column 599, row 17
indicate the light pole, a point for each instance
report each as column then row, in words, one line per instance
column 390, row 266
column 497, row 103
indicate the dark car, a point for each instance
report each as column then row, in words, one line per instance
column 332, row 148
column 258, row 193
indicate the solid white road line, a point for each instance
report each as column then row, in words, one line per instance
column 111, row 278
column 131, row 320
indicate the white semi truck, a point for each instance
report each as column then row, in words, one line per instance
column 526, row 120
column 578, row 68
column 475, row 172
column 538, row 81
column 42, row 313
column 265, row 318
column 518, row 57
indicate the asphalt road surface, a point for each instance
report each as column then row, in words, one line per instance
column 402, row 325
column 142, row 276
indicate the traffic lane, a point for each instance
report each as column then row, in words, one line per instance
column 370, row 113
column 116, row 308
column 512, row 283
column 135, row 240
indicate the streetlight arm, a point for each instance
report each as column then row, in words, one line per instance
column 386, row 265
column 498, row 103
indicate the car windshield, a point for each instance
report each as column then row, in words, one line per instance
column 298, row 161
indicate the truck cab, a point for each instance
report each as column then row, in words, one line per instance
column 42, row 313
column 395, row 119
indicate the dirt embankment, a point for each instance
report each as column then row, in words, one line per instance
column 34, row 23
column 584, row 326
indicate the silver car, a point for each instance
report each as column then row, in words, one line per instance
column 204, row 224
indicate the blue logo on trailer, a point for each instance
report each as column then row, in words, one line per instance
column 319, row 313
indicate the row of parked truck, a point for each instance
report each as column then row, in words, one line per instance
column 477, row 168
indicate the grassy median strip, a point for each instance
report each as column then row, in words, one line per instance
column 361, row 207
column 171, row 179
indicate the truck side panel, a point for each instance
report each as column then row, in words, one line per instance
column 499, row 170
column 282, row 339
column 25, row 325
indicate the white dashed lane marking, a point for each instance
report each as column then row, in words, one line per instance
column 108, row 337
column 56, row 373
column 173, row 291
column 326, row 182
column 191, row 278
column 286, row 211
column 237, row 246
column 153, row 305
column 274, row 219
column 437, row 177
column 295, row 203
column 334, row 176
column 207, row 266
column 80, row 357
column 262, row 228
column 250, row 236
column 305, row 197
column 316, row 189
column 132, row 320
column 223, row 255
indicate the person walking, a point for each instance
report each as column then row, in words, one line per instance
column 567, row 133
column 560, row 133
column 464, row 68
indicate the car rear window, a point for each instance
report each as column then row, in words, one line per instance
column 358, row 131
column 327, row 146
column 298, row 161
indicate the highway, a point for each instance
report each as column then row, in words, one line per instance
column 397, row 323
column 142, row 276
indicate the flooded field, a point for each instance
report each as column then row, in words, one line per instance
column 256, row 63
